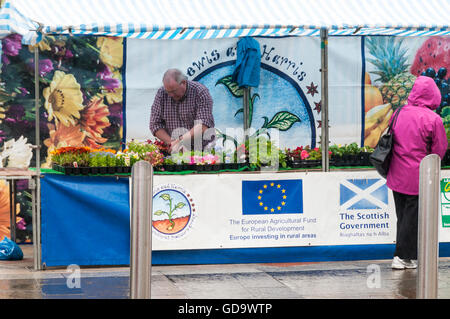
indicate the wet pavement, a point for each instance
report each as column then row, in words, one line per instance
column 372, row 279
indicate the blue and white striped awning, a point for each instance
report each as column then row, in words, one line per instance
column 204, row 19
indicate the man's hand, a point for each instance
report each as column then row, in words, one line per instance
column 175, row 146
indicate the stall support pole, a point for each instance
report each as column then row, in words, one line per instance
column 36, row 190
column 428, row 250
column 245, row 106
column 141, row 230
column 324, row 140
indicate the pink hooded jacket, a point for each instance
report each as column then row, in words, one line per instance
column 418, row 132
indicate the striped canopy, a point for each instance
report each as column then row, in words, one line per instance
column 205, row 19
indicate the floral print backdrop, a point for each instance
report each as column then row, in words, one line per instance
column 80, row 95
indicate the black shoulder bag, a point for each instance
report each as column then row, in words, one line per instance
column 381, row 156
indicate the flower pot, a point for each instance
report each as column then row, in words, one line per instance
column 85, row 170
column 127, row 169
column 336, row 160
column 94, row 170
column 111, row 169
column 68, row 170
column 365, row 159
column 103, row 170
column 199, row 168
column 311, row 163
column 295, row 164
column 119, row 169
column 76, row 170
column 216, row 167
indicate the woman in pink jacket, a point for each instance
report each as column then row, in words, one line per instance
column 418, row 131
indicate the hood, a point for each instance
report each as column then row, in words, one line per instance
column 425, row 93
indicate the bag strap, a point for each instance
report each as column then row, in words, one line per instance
column 394, row 119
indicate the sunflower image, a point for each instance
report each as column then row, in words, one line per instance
column 93, row 120
column 62, row 136
column 63, row 99
column 111, row 51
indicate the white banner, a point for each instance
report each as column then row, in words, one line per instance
column 290, row 83
column 215, row 211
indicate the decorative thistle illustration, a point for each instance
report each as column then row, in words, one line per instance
column 170, row 214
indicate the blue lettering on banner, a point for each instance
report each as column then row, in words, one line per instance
column 272, row 197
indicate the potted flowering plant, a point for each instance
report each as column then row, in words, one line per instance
column 350, row 155
column 70, row 159
column 204, row 161
column 304, row 157
column 263, row 152
column 169, row 164
column 154, row 157
column 126, row 160
column 102, row 161
column 365, row 155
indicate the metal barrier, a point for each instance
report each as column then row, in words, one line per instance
column 141, row 230
column 428, row 252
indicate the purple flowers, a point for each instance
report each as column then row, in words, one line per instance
column 45, row 66
column 16, row 111
column 108, row 82
column 12, row 44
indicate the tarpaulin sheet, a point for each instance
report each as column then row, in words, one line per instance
column 85, row 220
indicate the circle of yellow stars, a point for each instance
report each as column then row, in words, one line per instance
column 283, row 197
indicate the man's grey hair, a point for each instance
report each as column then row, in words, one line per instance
column 175, row 74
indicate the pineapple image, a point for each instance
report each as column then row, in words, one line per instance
column 390, row 61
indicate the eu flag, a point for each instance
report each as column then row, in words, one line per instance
column 272, row 197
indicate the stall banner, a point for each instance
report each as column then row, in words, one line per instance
column 80, row 98
column 445, row 202
column 288, row 98
column 391, row 65
column 343, row 214
column 333, row 208
column 314, row 209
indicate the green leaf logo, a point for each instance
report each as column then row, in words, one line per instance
column 282, row 120
column 233, row 87
column 165, row 196
column 180, row 205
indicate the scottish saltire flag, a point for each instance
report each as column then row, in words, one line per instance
column 363, row 194
column 272, row 197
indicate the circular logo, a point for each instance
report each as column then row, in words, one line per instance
column 173, row 211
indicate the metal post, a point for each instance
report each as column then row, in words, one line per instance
column 37, row 187
column 245, row 105
column 141, row 230
column 324, row 102
column 428, row 252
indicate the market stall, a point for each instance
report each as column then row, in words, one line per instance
column 304, row 77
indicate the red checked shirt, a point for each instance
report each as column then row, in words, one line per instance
column 178, row 117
